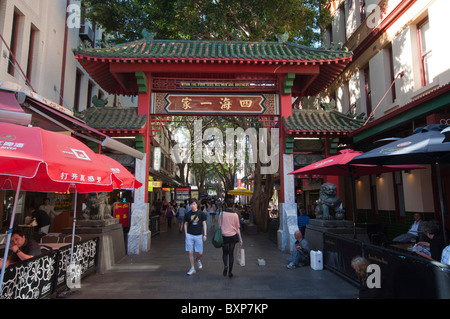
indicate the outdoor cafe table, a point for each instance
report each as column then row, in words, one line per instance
column 54, row 246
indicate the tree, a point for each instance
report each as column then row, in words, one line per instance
column 227, row 20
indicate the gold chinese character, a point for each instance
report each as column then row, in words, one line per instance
column 246, row 103
column 186, row 103
column 226, row 103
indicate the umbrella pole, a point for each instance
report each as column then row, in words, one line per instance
column 441, row 201
column 73, row 230
column 5, row 257
column 352, row 198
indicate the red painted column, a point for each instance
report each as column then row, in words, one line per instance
column 144, row 109
column 285, row 111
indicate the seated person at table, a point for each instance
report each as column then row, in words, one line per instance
column 413, row 232
column 42, row 219
column 436, row 245
column 22, row 248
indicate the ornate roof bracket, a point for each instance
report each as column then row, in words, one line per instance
column 142, row 82
column 288, row 83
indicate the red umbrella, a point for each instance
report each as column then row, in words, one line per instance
column 49, row 161
column 34, row 159
column 337, row 165
column 128, row 181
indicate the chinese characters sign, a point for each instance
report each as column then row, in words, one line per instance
column 122, row 213
column 176, row 103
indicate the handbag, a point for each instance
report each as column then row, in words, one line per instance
column 241, row 256
column 217, row 239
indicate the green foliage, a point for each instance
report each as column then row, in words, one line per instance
column 228, row 20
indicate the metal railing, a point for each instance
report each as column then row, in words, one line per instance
column 44, row 275
column 403, row 273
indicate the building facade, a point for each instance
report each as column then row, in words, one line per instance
column 42, row 82
column 397, row 81
column 38, row 39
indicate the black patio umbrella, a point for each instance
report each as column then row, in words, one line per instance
column 425, row 146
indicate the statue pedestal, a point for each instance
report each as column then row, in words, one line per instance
column 139, row 236
column 111, row 240
column 316, row 227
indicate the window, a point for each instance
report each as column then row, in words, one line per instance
column 423, row 31
column 13, row 44
column 76, row 103
column 31, row 50
column 89, row 95
column 390, row 57
column 367, row 91
column 362, row 10
column 342, row 22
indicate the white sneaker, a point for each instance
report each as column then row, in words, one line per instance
column 199, row 264
column 191, row 271
column 291, row 266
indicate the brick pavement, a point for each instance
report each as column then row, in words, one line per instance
column 161, row 274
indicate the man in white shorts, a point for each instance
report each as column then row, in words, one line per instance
column 195, row 229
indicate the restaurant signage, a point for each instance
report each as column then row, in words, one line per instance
column 122, row 213
column 154, row 184
column 182, row 194
column 157, row 158
column 177, row 103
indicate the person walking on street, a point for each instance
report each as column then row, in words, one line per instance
column 180, row 217
column 211, row 208
column 229, row 221
column 169, row 214
column 194, row 226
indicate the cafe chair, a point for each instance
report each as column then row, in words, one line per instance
column 45, row 249
column 68, row 239
column 50, row 238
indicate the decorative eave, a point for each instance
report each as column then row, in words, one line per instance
column 115, row 121
column 308, row 123
column 263, row 57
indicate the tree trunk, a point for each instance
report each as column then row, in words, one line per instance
column 261, row 197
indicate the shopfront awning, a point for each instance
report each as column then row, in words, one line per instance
column 11, row 111
column 164, row 178
column 55, row 114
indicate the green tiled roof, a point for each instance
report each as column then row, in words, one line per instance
column 320, row 122
column 186, row 56
column 188, row 49
column 124, row 118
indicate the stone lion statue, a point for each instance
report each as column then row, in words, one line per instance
column 97, row 207
column 329, row 205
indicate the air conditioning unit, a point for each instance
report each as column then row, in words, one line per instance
column 86, row 33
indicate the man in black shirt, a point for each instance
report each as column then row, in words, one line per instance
column 195, row 229
column 22, row 248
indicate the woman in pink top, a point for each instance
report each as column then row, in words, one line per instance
column 229, row 221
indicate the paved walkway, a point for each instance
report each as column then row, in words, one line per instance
column 161, row 274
